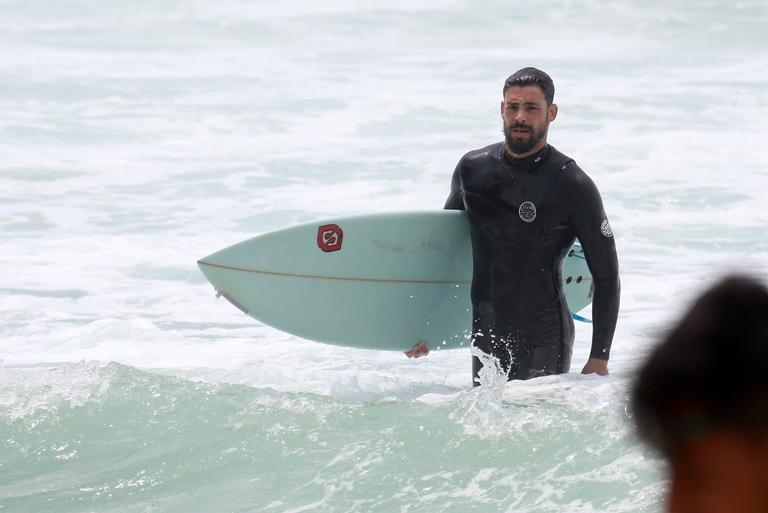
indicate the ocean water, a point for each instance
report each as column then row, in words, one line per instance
column 137, row 137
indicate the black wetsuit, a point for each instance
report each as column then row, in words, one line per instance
column 524, row 216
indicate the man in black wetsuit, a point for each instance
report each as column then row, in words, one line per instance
column 527, row 203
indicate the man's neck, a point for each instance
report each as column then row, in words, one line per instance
column 541, row 145
column 529, row 163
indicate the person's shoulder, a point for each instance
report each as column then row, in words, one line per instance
column 492, row 151
column 570, row 172
column 573, row 182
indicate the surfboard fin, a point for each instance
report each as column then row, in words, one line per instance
column 235, row 303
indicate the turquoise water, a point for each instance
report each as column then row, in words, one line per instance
column 138, row 137
column 106, row 437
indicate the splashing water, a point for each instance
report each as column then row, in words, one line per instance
column 478, row 409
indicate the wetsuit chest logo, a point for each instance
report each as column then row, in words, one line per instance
column 330, row 237
column 527, row 212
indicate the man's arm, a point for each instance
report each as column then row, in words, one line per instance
column 455, row 199
column 594, row 232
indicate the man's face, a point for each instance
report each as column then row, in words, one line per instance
column 526, row 119
column 723, row 471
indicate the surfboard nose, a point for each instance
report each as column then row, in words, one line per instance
column 221, row 281
column 210, row 266
column 226, row 258
column 219, row 257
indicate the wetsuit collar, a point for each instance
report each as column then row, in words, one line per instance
column 526, row 164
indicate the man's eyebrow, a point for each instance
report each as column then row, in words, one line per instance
column 515, row 102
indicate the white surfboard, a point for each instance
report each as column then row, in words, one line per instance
column 381, row 281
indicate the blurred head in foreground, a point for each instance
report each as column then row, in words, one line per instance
column 702, row 400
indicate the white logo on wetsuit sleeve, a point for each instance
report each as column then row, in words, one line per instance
column 527, row 212
column 605, row 229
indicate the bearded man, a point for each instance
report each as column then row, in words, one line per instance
column 527, row 203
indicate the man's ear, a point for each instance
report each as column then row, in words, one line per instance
column 552, row 112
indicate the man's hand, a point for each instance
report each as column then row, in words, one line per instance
column 420, row 349
column 596, row 366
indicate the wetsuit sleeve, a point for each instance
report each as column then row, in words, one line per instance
column 455, row 199
column 594, row 233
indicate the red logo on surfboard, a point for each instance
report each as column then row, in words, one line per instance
column 329, row 237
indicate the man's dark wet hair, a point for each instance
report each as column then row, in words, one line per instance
column 711, row 371
column 531, row 76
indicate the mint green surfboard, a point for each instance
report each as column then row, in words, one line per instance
column 381, row 281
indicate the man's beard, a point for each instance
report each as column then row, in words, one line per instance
column 519, row 146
